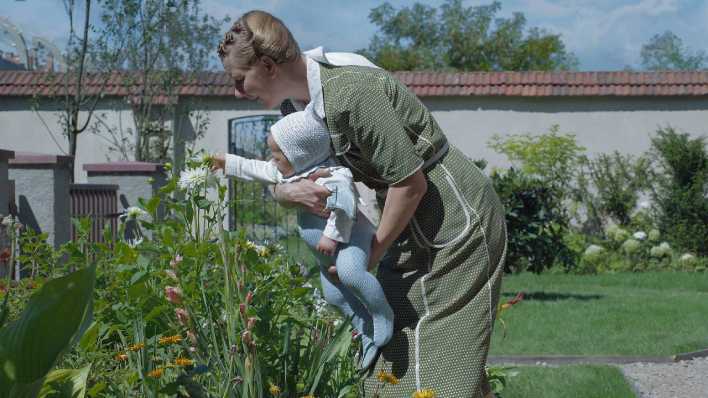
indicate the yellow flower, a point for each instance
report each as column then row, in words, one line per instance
column 424, row 394
column 183, row 362
column 156, row 374
column 274, row 390
column 386, row 377
column 136, row 347
column 121, row 357
column 170, row 339
column 263, row 251
column 505, row 306
column 309, row 396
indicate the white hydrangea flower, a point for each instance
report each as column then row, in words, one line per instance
column 639, row 235
column 192, row 178
column 631, row 246
column 593, row 251
column 654, row 235
column 663, row 250
column 616, row 233
column 688, row 258
column 135, row 213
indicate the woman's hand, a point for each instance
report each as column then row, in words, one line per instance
column 312, row 197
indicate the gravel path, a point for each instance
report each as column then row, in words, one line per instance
column 683, row 379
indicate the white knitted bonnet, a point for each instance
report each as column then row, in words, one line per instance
column 303, row 140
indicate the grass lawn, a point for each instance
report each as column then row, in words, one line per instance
column 568, row 381
column 615, row 314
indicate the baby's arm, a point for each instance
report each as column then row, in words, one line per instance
column 338, row 229
column 251, row 169
column 327, row 246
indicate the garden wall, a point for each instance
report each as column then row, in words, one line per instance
column 42, row 194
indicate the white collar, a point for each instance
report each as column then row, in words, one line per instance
column 314, row 83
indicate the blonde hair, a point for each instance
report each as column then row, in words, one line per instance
column 256, row 34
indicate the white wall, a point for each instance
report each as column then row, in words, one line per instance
column 601, row 124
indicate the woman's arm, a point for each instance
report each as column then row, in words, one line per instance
column 402, row 200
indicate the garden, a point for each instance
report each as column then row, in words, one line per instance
column 607, row 256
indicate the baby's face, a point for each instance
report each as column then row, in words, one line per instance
column 281, row 162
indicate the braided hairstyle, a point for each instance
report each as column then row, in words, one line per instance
column 256, row 34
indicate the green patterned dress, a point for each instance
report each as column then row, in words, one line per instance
column 443, row 274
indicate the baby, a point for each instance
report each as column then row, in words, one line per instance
column 300, row 146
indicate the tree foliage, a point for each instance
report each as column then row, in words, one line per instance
column 456, row 37
column 160, row 44
column 666, row 51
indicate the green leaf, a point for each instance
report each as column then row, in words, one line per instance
column 138, row 277
column 90, row 337
column 96, row 389
column 65, row 383
column 151, row 205
column 53, row 318
column 138, row 290
column 203, row 203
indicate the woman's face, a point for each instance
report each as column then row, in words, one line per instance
column 256, row 82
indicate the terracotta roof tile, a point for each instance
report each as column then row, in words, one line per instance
column 532, row 84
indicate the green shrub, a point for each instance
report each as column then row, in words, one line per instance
column 536, row 222
column 551, row 157
column 681, row 189
column 609, row 186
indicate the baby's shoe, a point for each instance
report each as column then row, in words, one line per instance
column 368, row 353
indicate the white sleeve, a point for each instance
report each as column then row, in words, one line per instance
column 251, row 169
column 339, row 226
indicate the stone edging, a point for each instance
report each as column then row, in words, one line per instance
column 578, row 359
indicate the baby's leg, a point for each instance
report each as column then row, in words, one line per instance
column 334, row 292
column 339, row 296
column 352, row 261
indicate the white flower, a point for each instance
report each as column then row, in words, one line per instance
column 320, row 303
column 663, row 250
column 639, row 235
column 654, row 235
column 250, row 245
column 644, row 204
column 192, row 178
column 616, row 233
column 631, row 246
column 135, row 213
column 8, row 221
column 688, row 258
column 202, row 158
column 593, row 252
column 134, row 242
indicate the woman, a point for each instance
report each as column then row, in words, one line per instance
column 442, row 225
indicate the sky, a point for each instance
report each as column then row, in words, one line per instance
column 603, row 34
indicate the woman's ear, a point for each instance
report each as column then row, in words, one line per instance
column 269, row 65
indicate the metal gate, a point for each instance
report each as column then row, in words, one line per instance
column 252, row 205
column 98, row 202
